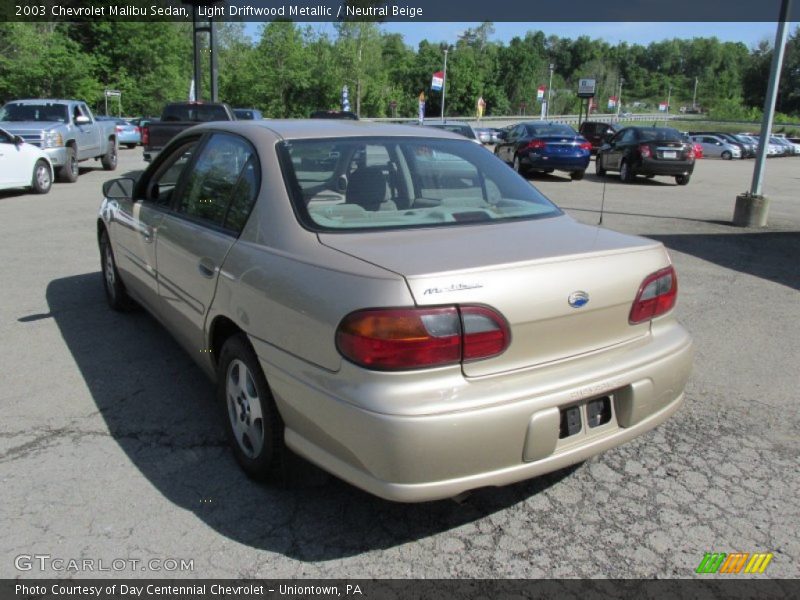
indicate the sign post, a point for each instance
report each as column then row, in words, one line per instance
column 586, row 90
column 114, row 94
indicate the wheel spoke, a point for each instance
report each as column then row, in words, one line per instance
column 255, row 434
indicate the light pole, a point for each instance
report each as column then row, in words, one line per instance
column 694, row 96
column 669, row 97
column 619, row 95
column 444, row 82
column 549, row 91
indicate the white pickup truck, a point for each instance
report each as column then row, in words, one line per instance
column 65, row 129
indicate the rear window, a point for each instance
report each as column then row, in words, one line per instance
column 402, row 182
column 194, row 112
column 660, row 134
column 550, row 130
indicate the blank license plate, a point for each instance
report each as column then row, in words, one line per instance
column 670, row 154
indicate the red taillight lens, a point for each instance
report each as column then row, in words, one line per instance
column 644, row 150
column 656, row 296
column 413, row 338
column 586, row 146
column 118, row 127
column 137, row 129
column 145, row 136
column 486, row 333
column 536, row 144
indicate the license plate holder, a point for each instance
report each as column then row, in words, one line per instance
column 672, row 154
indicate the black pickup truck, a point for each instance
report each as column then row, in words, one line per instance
column 178, row 116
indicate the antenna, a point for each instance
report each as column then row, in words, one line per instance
column 602, row 202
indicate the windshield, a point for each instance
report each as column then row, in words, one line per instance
column 659, row 134
column 46, row 112
column 402, row 182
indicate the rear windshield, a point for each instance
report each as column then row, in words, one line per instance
column 550, row 129
column 660, row 134
column 46, row 112
column 403, row 182
column 194, row 112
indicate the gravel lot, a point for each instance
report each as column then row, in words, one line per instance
column 111, row 446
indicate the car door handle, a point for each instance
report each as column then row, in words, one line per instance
column 206, row 268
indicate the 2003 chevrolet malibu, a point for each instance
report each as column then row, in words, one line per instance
column 395, row 305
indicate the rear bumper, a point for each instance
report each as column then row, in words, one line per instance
column 409, row 437
column 664, row 167
column 561, row 163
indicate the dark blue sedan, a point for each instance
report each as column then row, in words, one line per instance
column 545, row 147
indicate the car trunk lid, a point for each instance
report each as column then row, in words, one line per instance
column 528, row 271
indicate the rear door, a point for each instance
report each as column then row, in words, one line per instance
column 621, row 142
column 212, row 203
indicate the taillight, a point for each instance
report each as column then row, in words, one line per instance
column 690, row 152
column 586, row 146
column 656, row 296
column 397, row 339
column 536, row 144
column 145, row 136
column 118, row 128
column 644, row 150
column 485, row 333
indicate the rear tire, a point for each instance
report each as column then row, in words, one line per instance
column 601, row 172
column 130, row 146
column 517, row 166
column 42, row 179
column 625, row 173
column 109, row 159
column 577, row 175
column 682, row 179
column 69, row 172
column 255, row 428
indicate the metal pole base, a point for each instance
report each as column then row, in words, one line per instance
column 751, row 211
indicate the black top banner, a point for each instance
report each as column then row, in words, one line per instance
column 405, row 10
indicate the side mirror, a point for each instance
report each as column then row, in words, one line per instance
column 82, row 120
column 119, row 189
column 502, row 135
column 18, row 140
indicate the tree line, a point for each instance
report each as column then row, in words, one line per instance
column 291, row 69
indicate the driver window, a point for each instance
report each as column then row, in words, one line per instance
column 629, row 136
column 162, row 185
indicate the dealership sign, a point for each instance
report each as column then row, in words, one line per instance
column 586, row 88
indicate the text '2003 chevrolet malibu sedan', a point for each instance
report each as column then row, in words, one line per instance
column 395, row 305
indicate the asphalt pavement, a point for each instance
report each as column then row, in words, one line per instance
column 112, row 448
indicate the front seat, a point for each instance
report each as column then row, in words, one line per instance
column 367, row 188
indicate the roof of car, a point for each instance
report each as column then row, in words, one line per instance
column 41, row 100
column 327, row 128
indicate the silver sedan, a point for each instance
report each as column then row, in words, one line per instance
column 394, row 304
column 716, row 147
